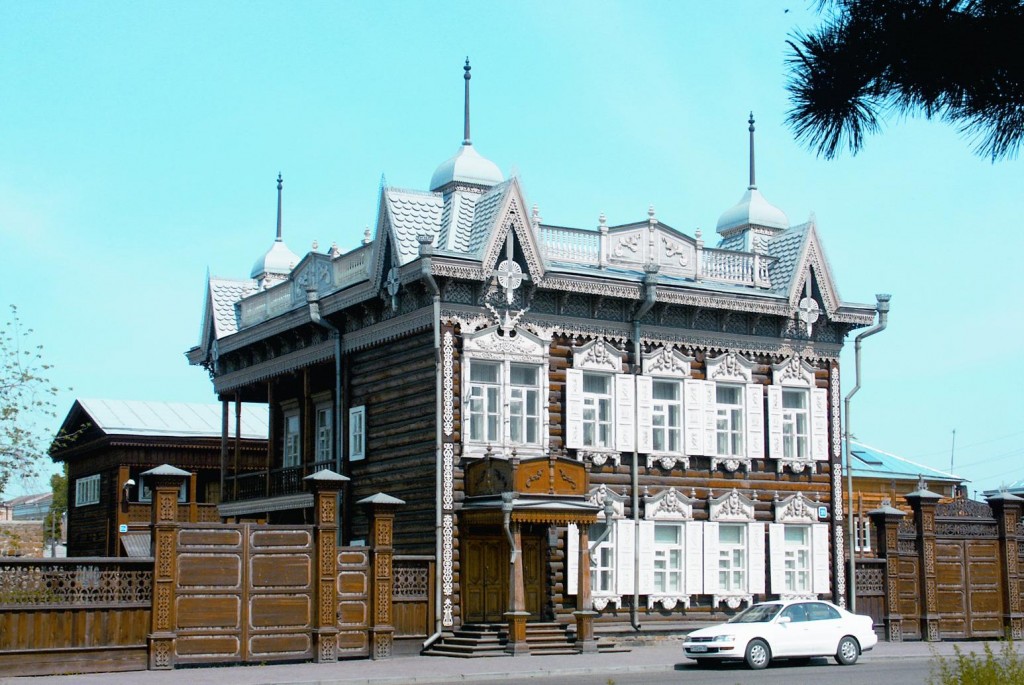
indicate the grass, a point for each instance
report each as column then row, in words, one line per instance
column 988, row 668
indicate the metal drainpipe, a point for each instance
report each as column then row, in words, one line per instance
column 426, row 250
column 882, row 307
column 650, row 294
column 312, row 299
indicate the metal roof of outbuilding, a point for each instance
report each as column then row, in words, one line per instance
column 869, row 462
column 172, row 419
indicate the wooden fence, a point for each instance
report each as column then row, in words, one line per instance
column 212, row 593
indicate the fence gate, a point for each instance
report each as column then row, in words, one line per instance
column 243, row 593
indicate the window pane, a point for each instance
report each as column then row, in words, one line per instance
column 523, row 375
column 794, row 399
column 796, row 535
column 666, row 390
column 730, row 534
column 597, row 384
column 666, row 534
column 483, row 372
column 727, row 394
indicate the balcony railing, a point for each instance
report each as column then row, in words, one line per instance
column 259, row 484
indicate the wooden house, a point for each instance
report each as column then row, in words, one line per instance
column 660, row 408
column 113, row 442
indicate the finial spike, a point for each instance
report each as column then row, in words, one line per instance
column 465, row 134
column 753, row 183
column 280, row 184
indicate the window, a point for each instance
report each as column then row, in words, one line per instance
column 292, row 440
column 493, row 386
column 729, row 419
column 602, row 560
column 597, row 410
column 821, row 612
column 732, row 558
column 87, row 490
column 668, row 558
column 863, row 530
column 667, row 416
column 795, row 435
column 357, row 433
column 324, row 433
column 797, row 559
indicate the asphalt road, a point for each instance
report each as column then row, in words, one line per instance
column 818, row 671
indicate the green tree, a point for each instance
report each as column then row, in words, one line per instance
column 27, row 402
column 58, row 505
column 956, row 60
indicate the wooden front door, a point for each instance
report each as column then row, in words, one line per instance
column 485, row 577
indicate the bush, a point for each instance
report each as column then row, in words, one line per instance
column 973, row 669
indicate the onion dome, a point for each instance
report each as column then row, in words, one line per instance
column 466, row 165
column 278, row 261
column 752, row 209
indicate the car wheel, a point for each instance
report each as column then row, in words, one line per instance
column 848, row 651
column 758, row 654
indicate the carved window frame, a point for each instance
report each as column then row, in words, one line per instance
column 619, row 541
column 734, row 508
column 670, row 507
column 506, row 348
column 660, row 365
column 733, row 369
column 788, row 374
column 792, row 512
column 601, row 357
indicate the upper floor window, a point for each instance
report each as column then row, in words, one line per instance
column 324, row 433
column 597, row 410
column 357, row 433
column 292, row 440
column 797, row 416
column 729, row 420
column 87, row 490
column 666, row 416
column 503, row 395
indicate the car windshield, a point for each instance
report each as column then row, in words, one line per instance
column 759, row 613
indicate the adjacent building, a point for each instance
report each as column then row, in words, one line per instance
column 667, row 402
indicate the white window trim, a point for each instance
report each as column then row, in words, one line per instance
column 663, row 364
column 732, row 369
column 863, row 533
column 287, row 414
column 620, row 539
column 87, row 490
column 318, row 408
column 523, row 347
column 796, row 373
column 734, row 507
column 670, row 506
column 599, row 356
column 798, row 510
column 357, row 433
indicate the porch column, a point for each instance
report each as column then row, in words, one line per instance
column 886, row 522
column 516, row 614
column 381, row 510
column 325, row 485
column 1007, row 510
column 165, row 482
column 923, row 502
column 584, row 613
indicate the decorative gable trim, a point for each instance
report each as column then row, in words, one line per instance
column 598, row 355
column 813, row 258
column 795, row 509
column 730, row 367
column 495, row 343
column 511, row 217
column 601, row 494
column 793, row 371
column 668, row 505
column 732, row 506
column 667, row 361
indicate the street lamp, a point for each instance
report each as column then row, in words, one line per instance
column 882, row 307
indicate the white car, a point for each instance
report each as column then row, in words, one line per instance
column 790, row 629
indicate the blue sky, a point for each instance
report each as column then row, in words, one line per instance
column 140, row 143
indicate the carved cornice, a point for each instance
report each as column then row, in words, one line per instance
column 732, row 506
column 601, row 493
column 274, row 367
column 598, row 355
column 492, row 343
column 795, row 509
column 389, row 330
column 730, row 367
column 668, row 505
column 667, row 361
column 793, row 371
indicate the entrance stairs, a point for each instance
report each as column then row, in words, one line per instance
column 475, row 640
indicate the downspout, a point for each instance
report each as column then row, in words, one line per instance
column 650, row 295
column 883, row 314
column 427, row 276
column 313, row 301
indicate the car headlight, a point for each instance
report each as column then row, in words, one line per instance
column 724, row 638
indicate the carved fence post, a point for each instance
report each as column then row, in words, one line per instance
column 325, row 485
column 924, row 502
column 381, row 509
column 1007, row 510
column 886, row 521
column 165, row 482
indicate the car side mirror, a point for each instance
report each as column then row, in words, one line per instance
column 784, row 619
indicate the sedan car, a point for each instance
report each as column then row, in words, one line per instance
column 786, row 629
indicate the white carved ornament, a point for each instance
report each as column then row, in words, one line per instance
column 732, row 506
column 668, row 505
column 602, row 493
column 597, row 355
column 796, row 509
column 493, row 343
column 667, row 361
column 730, row 367
column 793, row 371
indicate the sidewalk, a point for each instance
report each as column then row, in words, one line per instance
column 656, row 658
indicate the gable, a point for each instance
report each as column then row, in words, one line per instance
column 509, row 217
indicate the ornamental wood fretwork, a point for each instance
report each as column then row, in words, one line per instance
column 795, row 509
column 961, row 507
column 730, row 366
column 732, row 506
column 667, row 361
column 32, row 583
column 669, row 505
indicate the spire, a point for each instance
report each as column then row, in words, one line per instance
column 465, row 136
column 280, row 184
column 753, row 184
